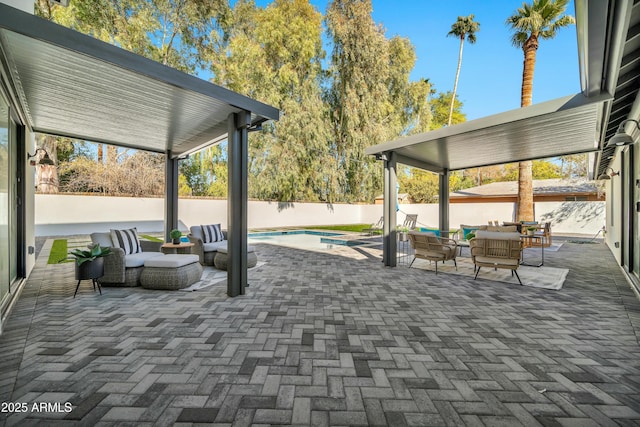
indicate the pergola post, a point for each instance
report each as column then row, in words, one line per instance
column 443, row 202
column 389, row 242
column 238, row 152
column 170, row 195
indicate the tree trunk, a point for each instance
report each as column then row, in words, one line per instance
column 47, row 175
column 455, row 84
column 525, row 175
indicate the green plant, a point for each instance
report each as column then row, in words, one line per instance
column 471, row 235
column 95, row 251
column 402, row 229
column 532, row 228
column 175, row 234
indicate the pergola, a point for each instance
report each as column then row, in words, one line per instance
column 554, row 128
column 68, row 84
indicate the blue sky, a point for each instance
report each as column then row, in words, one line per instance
column 491, row 75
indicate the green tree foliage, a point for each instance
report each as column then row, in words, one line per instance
column 422, row 186
column 275, row 54
column 440, row 111
column 541, row 169
column 369, row 96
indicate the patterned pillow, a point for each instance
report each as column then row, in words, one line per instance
column 212, row 233
column 127, row 240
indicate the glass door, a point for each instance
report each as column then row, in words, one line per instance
column 5, row 203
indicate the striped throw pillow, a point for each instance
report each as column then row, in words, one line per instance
column 127, row 240
column 212, row 233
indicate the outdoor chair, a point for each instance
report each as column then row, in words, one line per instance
column 206, row 245
column 428, row 246
column 496, row 250
column 410, row 221
column 375, row 228
column 544, row 231
column 124, row 266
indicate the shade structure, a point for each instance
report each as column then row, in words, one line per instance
column 554, row 128
column 73, row 85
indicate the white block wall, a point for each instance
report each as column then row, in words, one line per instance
column 63, row 214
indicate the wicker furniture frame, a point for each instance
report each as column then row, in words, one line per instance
column 496, row 253
column 171, row 278
column 115, row 272
column 428, row 246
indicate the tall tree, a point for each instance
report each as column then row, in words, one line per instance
column 371, row 98
column 464, row 28
column 441, row 113
column 531, row 23
column 282, row 45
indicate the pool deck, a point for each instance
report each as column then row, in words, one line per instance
column 330, row 338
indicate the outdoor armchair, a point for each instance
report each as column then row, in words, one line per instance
column 206, row 251
column 428, row 246
column 122, row 269
column 496, row 250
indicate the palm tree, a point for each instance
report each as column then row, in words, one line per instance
column 531, row 23
column 464, row 28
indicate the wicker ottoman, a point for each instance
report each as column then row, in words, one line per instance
column 171, row 272
column 220, row 261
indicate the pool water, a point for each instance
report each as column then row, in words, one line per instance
column 302, row 239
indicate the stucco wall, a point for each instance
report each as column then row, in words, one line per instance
column 75, row 214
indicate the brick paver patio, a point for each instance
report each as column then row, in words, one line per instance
column 328, row 339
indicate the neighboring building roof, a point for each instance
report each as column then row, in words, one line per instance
column 540, row 187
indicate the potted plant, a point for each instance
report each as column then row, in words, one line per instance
column 403, row 233
column 531, row 230
column 175, row 236
column 89, row 263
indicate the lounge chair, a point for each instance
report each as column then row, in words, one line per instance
column 410, row 221
column 428, row 246
column 375, row 228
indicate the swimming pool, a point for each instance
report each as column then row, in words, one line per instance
column 303, row 239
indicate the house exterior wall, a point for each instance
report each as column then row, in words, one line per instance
column 65, row 214
column 613, row 189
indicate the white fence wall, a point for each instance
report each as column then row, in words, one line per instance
column 63, row 214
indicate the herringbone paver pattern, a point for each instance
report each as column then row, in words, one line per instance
column 330, row 339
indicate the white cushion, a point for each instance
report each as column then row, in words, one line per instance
column 224, row 250
column 103, row 239
column 497, row 235
column 214, row 246
column 138, row 259
column 423, row 233
column 196, row 231
column 171, row 261
column 497, row 261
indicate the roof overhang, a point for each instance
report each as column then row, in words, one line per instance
column 69, row 84
column 559, row 127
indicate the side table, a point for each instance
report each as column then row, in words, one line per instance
column 180, row 248
column 531, row 239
